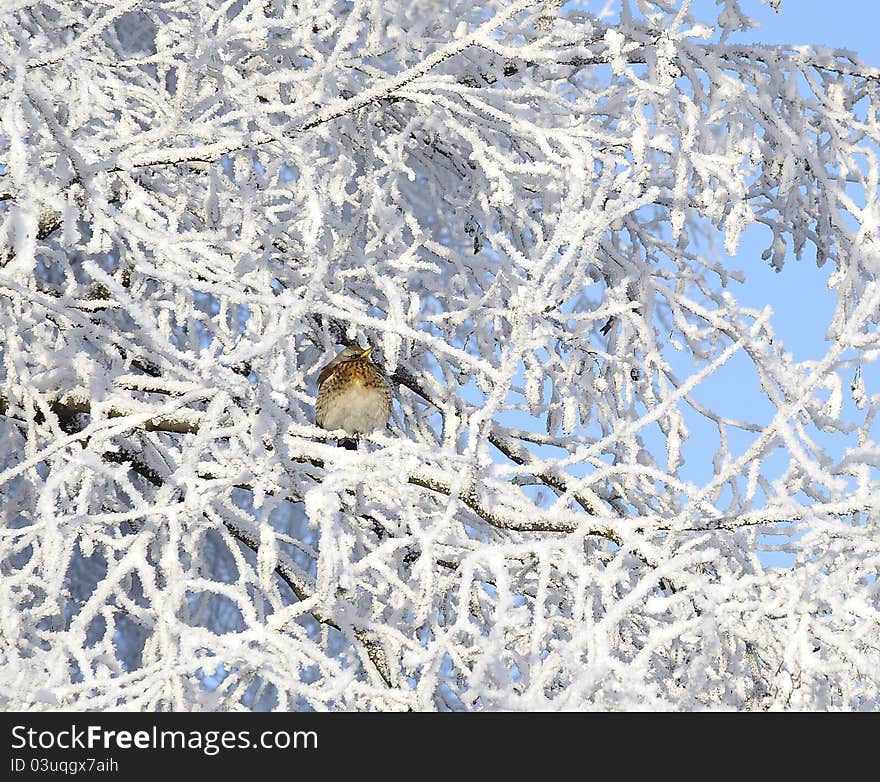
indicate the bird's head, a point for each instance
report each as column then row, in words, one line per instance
column 351, row 353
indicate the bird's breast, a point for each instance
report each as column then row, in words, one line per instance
column 357, row 409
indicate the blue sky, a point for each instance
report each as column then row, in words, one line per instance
column 801, row 301
column 798, row 295
column 842, row 24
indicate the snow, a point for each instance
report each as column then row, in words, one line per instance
column 524, row 209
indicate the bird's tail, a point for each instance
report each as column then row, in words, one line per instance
column 350, row 443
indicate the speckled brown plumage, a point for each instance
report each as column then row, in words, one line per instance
column 353, row 395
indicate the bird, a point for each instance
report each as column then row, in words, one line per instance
column 353, row 395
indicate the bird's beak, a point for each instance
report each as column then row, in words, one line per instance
column 366, row 352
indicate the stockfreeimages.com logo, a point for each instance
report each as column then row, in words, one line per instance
column 210, row 742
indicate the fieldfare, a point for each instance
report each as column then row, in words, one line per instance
column 353, row 395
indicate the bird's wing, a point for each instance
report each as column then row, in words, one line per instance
column 326, row 372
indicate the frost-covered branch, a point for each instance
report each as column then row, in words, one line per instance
column 531, row 214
